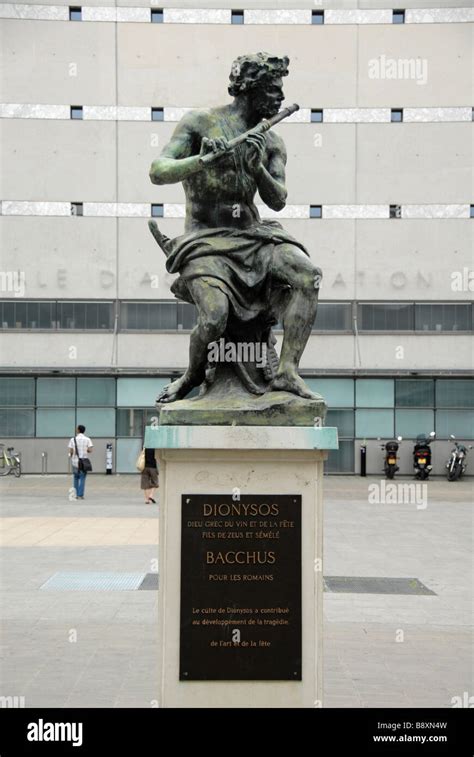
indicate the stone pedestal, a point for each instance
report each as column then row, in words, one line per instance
column 240, row 564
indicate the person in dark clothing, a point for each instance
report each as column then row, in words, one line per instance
column 149, row 476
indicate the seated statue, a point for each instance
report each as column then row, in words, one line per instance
column 243, row 274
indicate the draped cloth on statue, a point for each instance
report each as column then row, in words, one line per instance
column 236, row 261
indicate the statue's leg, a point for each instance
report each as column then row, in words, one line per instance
column 213, row 308
column 292, row 267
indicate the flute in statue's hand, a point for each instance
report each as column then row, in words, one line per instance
column 213, row 149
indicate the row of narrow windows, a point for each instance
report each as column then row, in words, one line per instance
column 317, row 114
column 315, row 211
column 170, row 315
column 237, row 16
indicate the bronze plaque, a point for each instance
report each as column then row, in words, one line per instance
column 240, row 587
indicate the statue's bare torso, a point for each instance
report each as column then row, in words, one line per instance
column 221, row 195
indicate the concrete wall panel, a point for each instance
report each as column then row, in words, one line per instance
column 412, row 163
column 58, row 160
column 58, row 62
column 56, row 350
column 61, row 257
column 322, row 70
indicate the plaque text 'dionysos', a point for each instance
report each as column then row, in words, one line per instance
column 240, row 587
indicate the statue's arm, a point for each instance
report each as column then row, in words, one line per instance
column 176, row 161
column 271, row 180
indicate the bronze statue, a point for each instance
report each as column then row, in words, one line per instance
column 243, row 274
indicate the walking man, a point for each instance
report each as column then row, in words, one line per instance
column 80, row 446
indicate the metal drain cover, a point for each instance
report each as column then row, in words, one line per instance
column 366, row 585
column 88, row 581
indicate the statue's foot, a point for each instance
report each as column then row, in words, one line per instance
column 291, row 382
column 176, row 390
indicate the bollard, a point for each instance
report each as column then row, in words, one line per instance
column 363, row 459
column 108, row 459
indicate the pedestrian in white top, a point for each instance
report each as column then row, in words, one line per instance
column 79, row 445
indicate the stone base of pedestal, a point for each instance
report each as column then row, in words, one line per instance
column 240, row 563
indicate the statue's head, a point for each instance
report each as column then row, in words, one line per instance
column 258, row 77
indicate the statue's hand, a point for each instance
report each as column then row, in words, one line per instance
column 213, row 145
column 253, row 152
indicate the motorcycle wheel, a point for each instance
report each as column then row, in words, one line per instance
column 424, row 474
column 457, row 473
column 390, row 473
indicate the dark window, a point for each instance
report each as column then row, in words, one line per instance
column 237, row 17
column 21, row 315
column 333, row 316
column 130, row 422
column 397, row 115
column 95, row 392
column 27, row 315
column 317, row 17
column 187, row 316
column 341, row 460
column 386, row 316
column 149, row 316
column 455, row 393
column 156, row 16
column 395, row 211
column 157, row 114
column 76, row 112
column 344, row 420
column 414, row 392
column 77, row 209
column 75, row 13
column 443, row 317
column 398, row 17
column 471, row 213
column 16, row 422
column 7, row 310
column 17, row 392
column 88, row 316
column 317, row 115
column 157, row 211
column 315, row 211
column 46, row 315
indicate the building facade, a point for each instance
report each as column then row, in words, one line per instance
column 379, row 183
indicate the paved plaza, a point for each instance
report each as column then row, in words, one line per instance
column 98, row 647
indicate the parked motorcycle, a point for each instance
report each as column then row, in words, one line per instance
column 457, row 463
column 390, row 461
column 422, row 456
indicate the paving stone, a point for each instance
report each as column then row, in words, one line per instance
column 114, row 661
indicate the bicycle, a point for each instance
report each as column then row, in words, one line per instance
column 10, row 461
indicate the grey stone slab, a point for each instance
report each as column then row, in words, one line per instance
column 150, row 582
column 375, row 585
